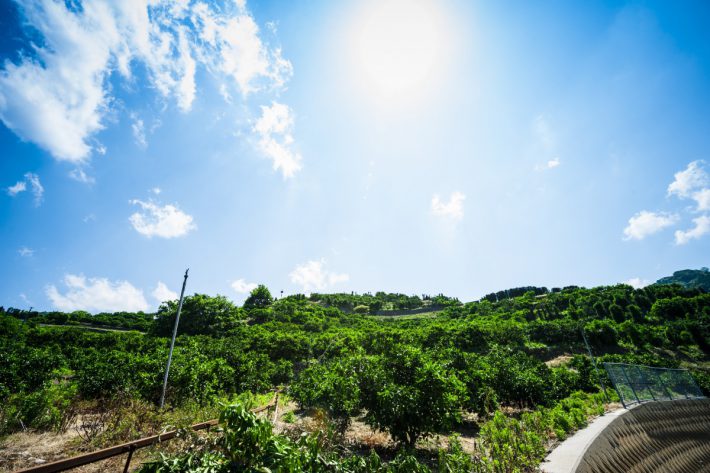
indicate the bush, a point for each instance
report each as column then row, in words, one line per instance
column 361, row 309
column 44, row 409
column 409, row 395
column 248, row 443
column 334, row 387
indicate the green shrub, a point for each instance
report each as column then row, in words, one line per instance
column 44, row 409
column 410, row 395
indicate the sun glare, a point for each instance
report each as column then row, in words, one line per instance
column 398, row 47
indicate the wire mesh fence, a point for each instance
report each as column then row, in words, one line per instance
column 638, row 383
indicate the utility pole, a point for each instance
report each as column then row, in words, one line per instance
column 172, row 342
column 594, row 362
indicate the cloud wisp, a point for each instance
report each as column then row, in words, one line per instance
column 314, row 276
column 647, row 223
column 31, row 182
column 453, row 209
column 96, row 295
column 166, row 221
column 702, row 227
column 637, row 283
column 275, row 131
column 240, row 286
column 82, row 50
column 26, row 252
column 162, row 293
column 687, row 181
column 690, row 183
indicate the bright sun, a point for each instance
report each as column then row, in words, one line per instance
column 398, row 47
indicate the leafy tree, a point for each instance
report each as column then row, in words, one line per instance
column 201, row 315
column 410, row 395
column 334, row 387
column 260, row 298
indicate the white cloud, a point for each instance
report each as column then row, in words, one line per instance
column 240, row 286
column 647, row 223
column 637, row 283
column 685, row 182
column 161, row 293
column 37, row 189
column 57, row 95
column 275, row 130
column 78, row 174
column 238, row 51
column 26, row 252
column 313, row 275
column 156, row 190
column 702, row 197
column 138, row 129
column 66, row 100
column 452, row 209
column 31, row 180
column 551, row 164
column 97, row 295
column 165, row 221
column 702, row 227
column 21, row 186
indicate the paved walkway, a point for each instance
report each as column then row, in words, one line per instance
column 566, row 457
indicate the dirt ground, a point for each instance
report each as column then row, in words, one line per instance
column 28, row 449
column 360, row 437
column 31, row 448
column 559, row 361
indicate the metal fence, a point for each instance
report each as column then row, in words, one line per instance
column 638, row 383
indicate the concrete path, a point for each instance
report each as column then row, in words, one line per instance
column 566, row 457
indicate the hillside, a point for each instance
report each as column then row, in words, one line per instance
column 413, row 394
column 691, row 278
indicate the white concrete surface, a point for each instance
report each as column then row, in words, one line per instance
column 566, row 457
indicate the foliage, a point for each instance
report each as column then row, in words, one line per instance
column 408, row 394
column 248, row 443
column 259, row 298
column 334, row 387
column 201, row 315
column 410, row 377
column 689, row 278
column 509, row 444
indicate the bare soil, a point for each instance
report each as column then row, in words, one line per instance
column 559, row 361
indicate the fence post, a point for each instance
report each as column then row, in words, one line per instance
column 646, row 382
column 613, row 383
column 132, row 449
column 623, row 370
column 663, row 385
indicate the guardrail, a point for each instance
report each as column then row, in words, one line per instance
column 637, row 383
column 129, row 447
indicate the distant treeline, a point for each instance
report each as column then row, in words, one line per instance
column 120, row 320
column 381, row 301
column 521, row 291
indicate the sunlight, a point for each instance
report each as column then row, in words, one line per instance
column 399, row 47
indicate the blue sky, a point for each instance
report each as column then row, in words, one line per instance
column 410, row 146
